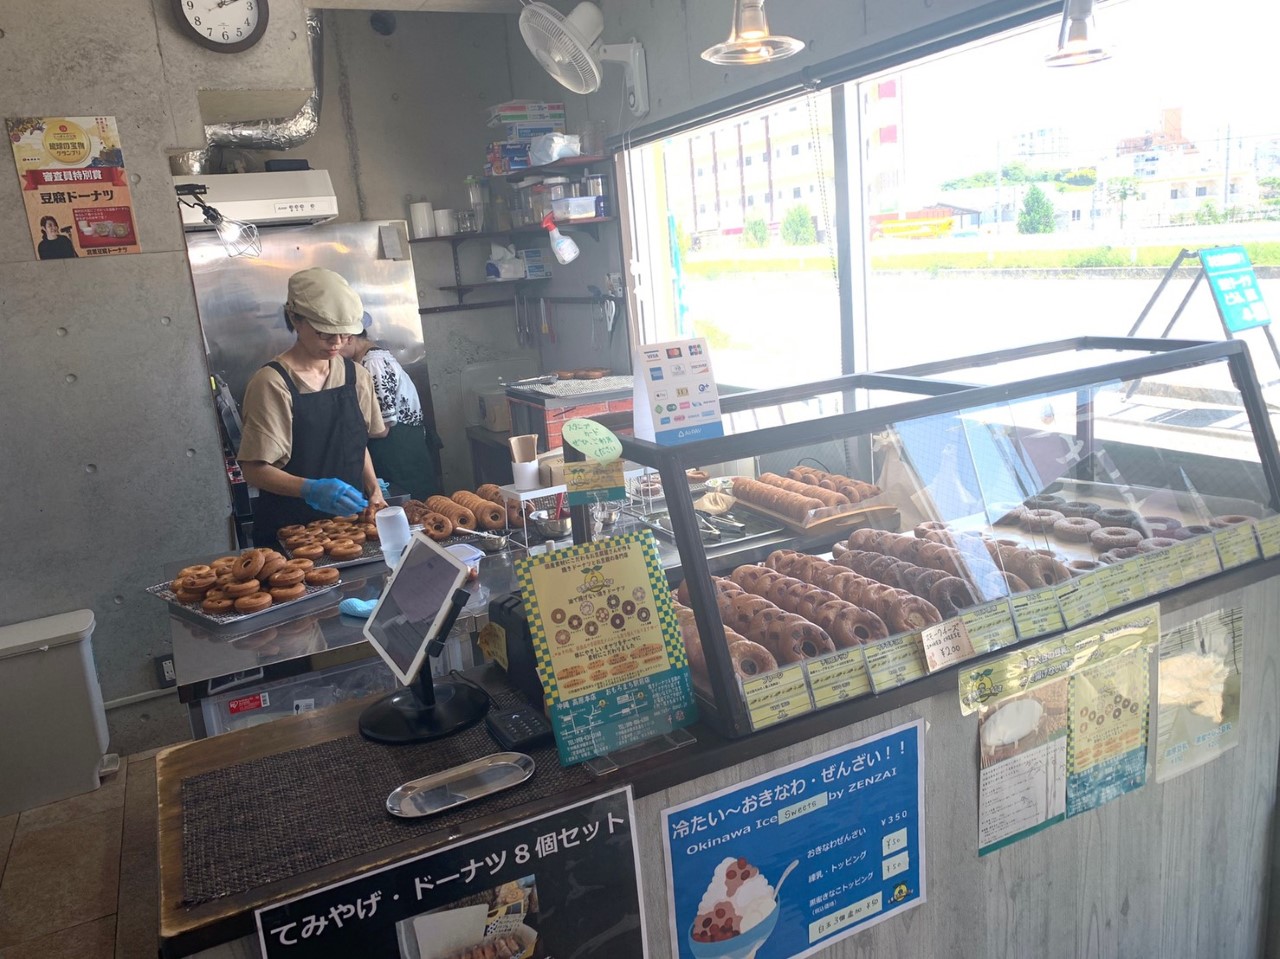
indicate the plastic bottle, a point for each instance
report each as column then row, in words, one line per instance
column 563, row 247
column 393, row 533
column 477, row 190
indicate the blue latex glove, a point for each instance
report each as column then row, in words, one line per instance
column 333, row 496
column 384, row 486
column 360, row 608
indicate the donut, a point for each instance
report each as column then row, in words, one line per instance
column 437, row 526
column 1040, row 520
column 356, row 535
column 751, row 659
column 488, row 514
column 1189, row 532
column 1114, row 537
column 282, row 594
column 241, row 588
column 950, row 595
column 1120, row 554
column 1161, row 525
column 749, row 576
column 198, row 583
column 294, row 530
column 696, row 476
column 300, row 563
column 272, row 566
column 849, row 625
column 321, row 576
column 1118, row 517
column 286, row 577
column 218, row 606
column 459, row 516
column 923, row 529
column 1079, row 508
column 1154, row 543
column 906, row 613
column 1230, row 519
column 1080, row 566
column 1044, row 501
column 792, row 638
column 253, row 603
column 341, row 549
column 248, row 565
column 739, row 611
column 1006, row 514
column 188, row 597
column 1075, row 529
column 200, row 571
column 311, row 551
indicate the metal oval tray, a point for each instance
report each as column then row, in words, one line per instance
column 461, row 784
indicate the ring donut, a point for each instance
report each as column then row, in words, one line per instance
column 1190, row 532
column 437, row 526
column 1120, row 554
column 1230, row 519
column 321, row 576
column 242, row 588
column 1161, row 525
column 791, row 638
column 294, row 530
column 849, row 625
column 282, row 594
column 1154, row 543
column 1079, row 508
column 1079, row 567
column 459, row 516
column 311, row 551
column 488, row 514
column 253, row 603
column 341, row 549
column 248, row 565
column 1114, row 537
column 1076, row 529
column 286, row 577
column 1118, row 517
column 272, row 566
column 950, row 595
column 751, row 659
column 189, row 597
column 923, row 529
column 1044, row 501
column 1006, row 514
column 1040, row 520
column 201, row 571
column 300, row 563
column 218, row 606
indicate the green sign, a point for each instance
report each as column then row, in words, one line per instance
column 1235, row 288
column 595, row 442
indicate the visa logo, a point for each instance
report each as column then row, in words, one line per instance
column 652, row 355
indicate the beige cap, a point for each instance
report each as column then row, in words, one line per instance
column 325, row 300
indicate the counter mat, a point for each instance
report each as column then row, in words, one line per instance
column 281, row 816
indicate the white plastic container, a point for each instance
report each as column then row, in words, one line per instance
column 55, row 726
column 393, row 533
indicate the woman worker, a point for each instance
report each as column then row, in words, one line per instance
column 309, row 414
column 405, row 456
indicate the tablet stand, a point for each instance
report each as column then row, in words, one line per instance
column 425, row 709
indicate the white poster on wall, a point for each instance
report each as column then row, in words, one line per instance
column 676, row 400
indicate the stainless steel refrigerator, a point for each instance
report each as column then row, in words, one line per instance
column 241, row 305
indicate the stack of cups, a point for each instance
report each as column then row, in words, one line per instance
column 393, row 533
column 422, row 219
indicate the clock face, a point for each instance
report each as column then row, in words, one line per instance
column 227, row 26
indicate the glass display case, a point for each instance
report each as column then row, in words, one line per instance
column 847, row 537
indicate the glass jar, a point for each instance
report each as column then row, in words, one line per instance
column 557, row 188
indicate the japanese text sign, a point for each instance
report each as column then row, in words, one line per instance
column 676, row 400
column 1235, row 288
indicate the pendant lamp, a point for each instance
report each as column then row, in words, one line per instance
column 1077, row 37
column 749, row 38
column 238, row 237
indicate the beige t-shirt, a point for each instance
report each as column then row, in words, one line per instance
column 267, row 431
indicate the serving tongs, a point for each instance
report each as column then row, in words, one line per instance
column 544, row 380
column 724, row 522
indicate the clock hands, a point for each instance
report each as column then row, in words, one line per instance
column 226, row 3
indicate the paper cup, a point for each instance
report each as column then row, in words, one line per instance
column 422, row 219
column 446, row 223
column 525, row 475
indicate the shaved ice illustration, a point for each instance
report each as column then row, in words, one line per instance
column 737, row 912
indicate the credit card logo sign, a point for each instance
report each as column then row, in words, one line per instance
column 703, row 387
column 684, row 405
column 671, row 407
column 658, row 408
column 677, row 369
column 698, row 367
column 661, row 394
column 655, row 372
column 652, row 355
column 678, row 418
column 682, row 391
column 665, row 420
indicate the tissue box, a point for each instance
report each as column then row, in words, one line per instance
column 537, row 263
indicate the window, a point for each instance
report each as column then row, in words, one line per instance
column 1075, row 216
column 795, row 149
column 699, row 171
column 747, row 160
column 751, row 201
column 795, row 193
column 1202, row 191
column 1174, row 194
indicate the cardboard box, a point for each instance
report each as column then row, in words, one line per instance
column 537, row 263
column 530, row 129
column 551, row 468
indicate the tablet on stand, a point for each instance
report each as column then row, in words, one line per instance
column 414, row 615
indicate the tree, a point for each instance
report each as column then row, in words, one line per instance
column 1120, row 189
column 755, row 232
column 1037, row 213
column 797, row 227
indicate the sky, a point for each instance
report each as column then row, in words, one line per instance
column 1213, row 59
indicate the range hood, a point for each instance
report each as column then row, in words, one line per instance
column 267, row 199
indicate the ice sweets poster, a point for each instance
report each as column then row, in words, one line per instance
column 74, row 186
column 788, row 863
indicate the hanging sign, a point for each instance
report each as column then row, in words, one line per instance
column 609, row 650
column 1235, row 288
column 562, row 884
column 788, row 863
column 676, row 400
column 74, row 186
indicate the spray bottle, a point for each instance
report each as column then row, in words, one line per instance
column 563, row 247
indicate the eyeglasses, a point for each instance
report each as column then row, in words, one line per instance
column 326, row 337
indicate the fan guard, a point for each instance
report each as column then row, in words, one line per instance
column 558, row 44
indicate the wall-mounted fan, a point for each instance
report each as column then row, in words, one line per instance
column 569, row 48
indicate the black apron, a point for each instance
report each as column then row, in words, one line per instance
column 329, row 437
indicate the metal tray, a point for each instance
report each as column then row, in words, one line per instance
column 461, row 784
column 163, row 591
column 753, row 526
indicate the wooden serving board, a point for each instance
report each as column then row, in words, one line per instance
column 880, row 516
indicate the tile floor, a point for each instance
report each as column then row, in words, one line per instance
column 78, row 877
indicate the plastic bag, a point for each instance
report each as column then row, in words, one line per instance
column 554, row 146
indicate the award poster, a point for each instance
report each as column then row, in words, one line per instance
column 74, row 186
column 790, row 862
column 610, row 654
column 562, row 884
column 1062, row 725
column 1199, row 717
column 676, row 399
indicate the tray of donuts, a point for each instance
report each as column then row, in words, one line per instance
column 804, row 506
column 337, row 541
column 796, row 607
column 443, row 517
column 233, row 588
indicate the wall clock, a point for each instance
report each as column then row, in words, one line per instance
column 226, row 26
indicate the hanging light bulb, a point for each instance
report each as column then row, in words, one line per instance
column 1077, row 37
column 238, row 237
column 749, row 38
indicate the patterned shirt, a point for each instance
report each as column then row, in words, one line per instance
column 397, row 396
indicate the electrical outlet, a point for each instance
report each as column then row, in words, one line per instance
column 165, row 674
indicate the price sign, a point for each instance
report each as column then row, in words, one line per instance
column 837, row 677
column 780, row 695
column 990, row 626
column 1082, row 598
column 1236, row 545
column 894, row 661
column 1268, row 531
column 1198, row 558
column 591, row 481
column 1124, row 583
column 946, row 644
column 1037, row 613
column 595, row 442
